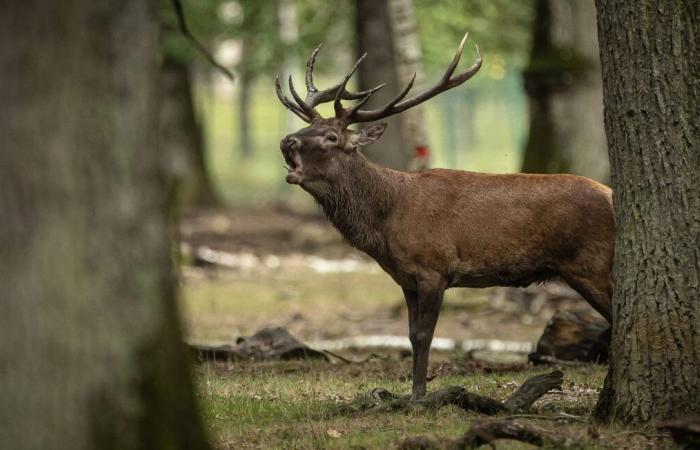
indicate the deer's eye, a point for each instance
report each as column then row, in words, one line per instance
column 332, row 137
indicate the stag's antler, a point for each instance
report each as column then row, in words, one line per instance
column 306, row 109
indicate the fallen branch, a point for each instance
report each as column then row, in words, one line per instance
column 536, row 358
column 561, row 416
column 266, row 344
column 486, row 432
column 532, row 389
column 522, row 399
column 367, row 358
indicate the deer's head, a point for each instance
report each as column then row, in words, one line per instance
column 320, row 152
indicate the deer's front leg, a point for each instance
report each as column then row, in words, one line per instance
column 426, row 303
column 412, row 305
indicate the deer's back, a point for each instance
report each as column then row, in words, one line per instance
column 497, row 225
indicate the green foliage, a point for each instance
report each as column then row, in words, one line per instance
column 501, row 28
column 480, row 127
column 203, row 20
column 256, row 24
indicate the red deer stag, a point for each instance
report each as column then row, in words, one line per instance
column 435, row 229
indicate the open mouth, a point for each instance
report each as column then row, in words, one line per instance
column 293, row 166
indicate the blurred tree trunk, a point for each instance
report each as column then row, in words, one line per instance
column 288, row 34
column 181, row 136
column 651, row 110
column 92, row 354
column 565, row 91
column 373, row 35
column 245, row 82
column 408, row 60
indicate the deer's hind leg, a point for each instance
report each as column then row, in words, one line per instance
column 590, row 277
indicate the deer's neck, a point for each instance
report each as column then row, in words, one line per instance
column 359, row 203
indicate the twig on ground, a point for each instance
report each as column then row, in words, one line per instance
column 545, row 359
column 369, row 357
column 560, row 416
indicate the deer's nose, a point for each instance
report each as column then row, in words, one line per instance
column 291, row 143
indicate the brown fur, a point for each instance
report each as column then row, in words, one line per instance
column 436, row 229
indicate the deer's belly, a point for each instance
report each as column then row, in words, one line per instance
column 503, row 277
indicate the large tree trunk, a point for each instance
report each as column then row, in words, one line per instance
column 373, row 35
column 91, row 355
column 651, row 92
column 181, row 136
column 565, row 92
column 408, row 60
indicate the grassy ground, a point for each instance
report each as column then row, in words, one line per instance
column 290, row 405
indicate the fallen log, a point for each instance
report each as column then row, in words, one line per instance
column 266, row 344
column 573, row 336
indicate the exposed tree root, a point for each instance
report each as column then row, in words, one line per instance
column 481, row 432
column 532, row 389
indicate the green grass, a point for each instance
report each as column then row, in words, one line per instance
column 287, row 404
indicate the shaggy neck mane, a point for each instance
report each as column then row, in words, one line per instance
column 359, row 202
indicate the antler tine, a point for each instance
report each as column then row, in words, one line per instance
column 391, row 103
column 470, row 72
column 288, row 104
column 360, row 103
column 355, row 95
column 339, row 110
column 314, row 97
column 310, row 70
column 308, row 110
column 455, row 60
column 446, row 82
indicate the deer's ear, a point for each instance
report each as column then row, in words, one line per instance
column 370, row 134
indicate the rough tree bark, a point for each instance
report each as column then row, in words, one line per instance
column 91, row 354
column 564, row 87
column 374, row 36
column 181, row 135
column 650, row 60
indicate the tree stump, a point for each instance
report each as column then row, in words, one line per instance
column 573, row 336
column 685, row 432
